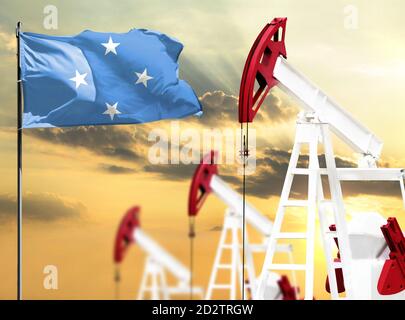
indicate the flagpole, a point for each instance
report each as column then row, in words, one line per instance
column 19, row 168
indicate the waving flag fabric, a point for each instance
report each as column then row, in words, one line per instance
column 102, row 79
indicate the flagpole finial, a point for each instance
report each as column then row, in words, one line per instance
column 18, row 28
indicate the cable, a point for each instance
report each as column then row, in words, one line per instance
column 191, row 236
column 117, row 280
column 245, row 154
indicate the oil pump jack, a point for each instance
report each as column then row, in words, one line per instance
column 266, row 66
column 205, row 181
column 158, row 262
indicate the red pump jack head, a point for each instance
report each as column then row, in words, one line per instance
column 125, row 232
column 259, row 66
column 200, row 185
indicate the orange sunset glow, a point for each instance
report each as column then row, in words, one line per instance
column 79, row 181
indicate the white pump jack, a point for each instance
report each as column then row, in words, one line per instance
column 158, row 262
column 267, row 66
column 207, row 180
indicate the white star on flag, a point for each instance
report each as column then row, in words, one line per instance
column 112, row 110
column 110, row 46
column 143, row 78
column 79, row 79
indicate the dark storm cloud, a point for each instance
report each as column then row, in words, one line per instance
column 280, row 158
column 117, row 142
column 231, row 179
column 220, row 108
column 377, row 188
column 174, row 172
column 268, row 179
column 104, row 140
column 277, row 110
column 114, row 169
column 44, row 207
column 271, row 169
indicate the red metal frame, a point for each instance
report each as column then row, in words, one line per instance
column 287, row 290
column 260, row 66
column 392, row 277
column 200, row 185
column 338, row 272
column 125, row 232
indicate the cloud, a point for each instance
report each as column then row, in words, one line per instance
column 221, row 108
column 268, row 180
column 271, row 169
column 277, row 109
column 108, row 141
column 176, row 172
column 114, row 169
column 378, row 188
column 120, row 143
column 8, row 42
column 44, row 207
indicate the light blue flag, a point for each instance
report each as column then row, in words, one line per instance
column 102, row 79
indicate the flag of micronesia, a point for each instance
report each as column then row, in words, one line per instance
column 98, row 78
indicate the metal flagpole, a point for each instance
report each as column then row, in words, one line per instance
column 19, row 168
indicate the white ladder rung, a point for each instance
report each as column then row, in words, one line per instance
column 287, row 266
column 296, row 203
column 290, row 235
column 152, row 289
column 284, row 247
column 221, row 286
column 226, row 246
column 224, row 266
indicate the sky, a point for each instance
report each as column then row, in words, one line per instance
column 78, row 182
